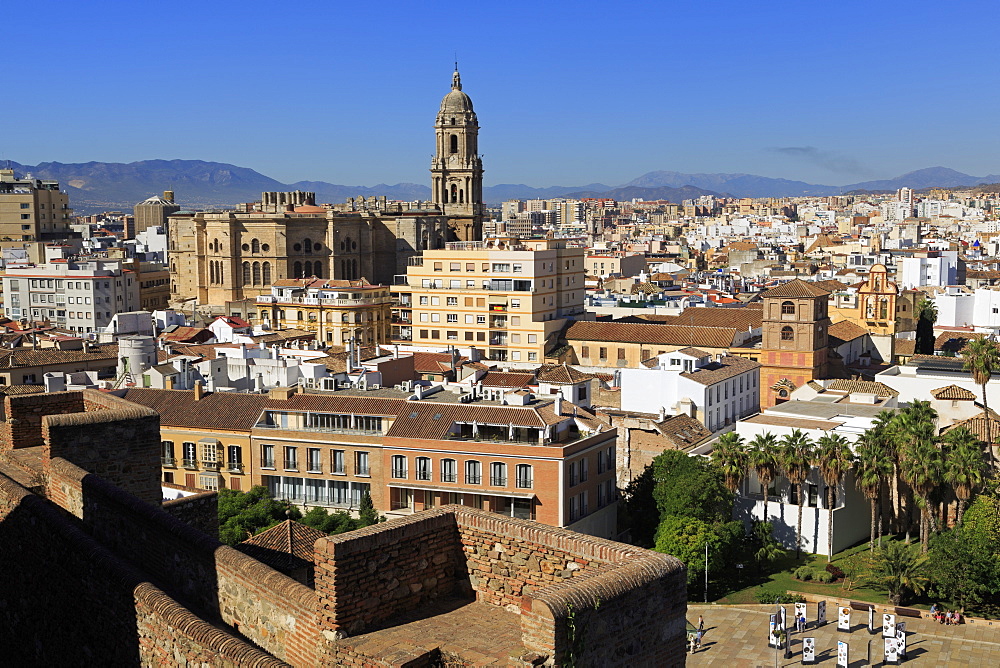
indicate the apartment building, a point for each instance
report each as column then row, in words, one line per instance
column 540, row 459
column 32, row 209
column 81, row 296
column 338, row 311
column 504, row 294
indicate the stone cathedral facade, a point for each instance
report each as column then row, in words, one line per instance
column 222, row 256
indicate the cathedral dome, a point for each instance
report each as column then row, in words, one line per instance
column 456, row 102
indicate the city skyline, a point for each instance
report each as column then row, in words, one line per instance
column 566, row 94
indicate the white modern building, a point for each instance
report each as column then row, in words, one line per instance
column 80, row 296
column 932, row 268
column 718, row 391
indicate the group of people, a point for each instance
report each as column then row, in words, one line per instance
column 694, row 639
column 952, row 618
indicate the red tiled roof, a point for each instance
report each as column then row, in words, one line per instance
column 673, row 335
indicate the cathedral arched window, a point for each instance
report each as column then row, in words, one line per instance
column 307, row 245
column 454, row 143
column 308, row 269
column 297, row 270
column 256, row 273
column 787, row 334
column 246, row 273
column 454, row 192
column 254, row 246
column 318, row 269
column 211, row 272
column 461, row 196
column 787, row 308
column 267, row 273
column 354, row 268
column 883, row 308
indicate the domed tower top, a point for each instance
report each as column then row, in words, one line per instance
column 456, row 104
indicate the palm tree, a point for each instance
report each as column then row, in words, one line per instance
column 965, row 469
column 923, row 469
column 730, row 455
column 914, row 425
column 763, row 459
column 795, row 458
column 871, row 469
column 883, row 434
column 833, row 458
column 897, row 568
column 981, row 357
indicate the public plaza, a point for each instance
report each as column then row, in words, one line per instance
column 736, row 637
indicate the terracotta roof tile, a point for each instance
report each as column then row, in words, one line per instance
column 562, row 373
column 865, row 386
column 284, row 547
column 671, row 335
column 845, row 330
column 797, row 288
column 28, row 357
column 507, row 379
column 727, row 367
column 953, row 392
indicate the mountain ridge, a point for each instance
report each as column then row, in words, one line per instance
column 97, row 186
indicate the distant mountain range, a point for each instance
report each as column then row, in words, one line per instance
column 102, row 186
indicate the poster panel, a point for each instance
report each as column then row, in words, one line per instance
column 844, row 620
column 888, row 626
column 842, row 660
column 771, row 638
column 800, row 611
column 808, row 650
column 821, row 613
column 891, row 653
column 901, row 638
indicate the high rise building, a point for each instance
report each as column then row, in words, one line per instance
column 154, row 211
column 457, row 167
column 504, row 294
column 32, row 209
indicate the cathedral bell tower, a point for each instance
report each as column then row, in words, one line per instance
column 457, row 168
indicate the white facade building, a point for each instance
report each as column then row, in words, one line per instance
column 955, row 307
column 941, row 268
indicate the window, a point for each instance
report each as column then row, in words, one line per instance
column 532, row 338
column 455, row 266
column 313, row 461
column 571, row 473
column 787, row 308
column 267, row 456
column 361, row 464
column 498, row 474
column 585, row 351
column 452, row 317
column 167, row 453
column 573, row 510
column 209, row 482
column 449, row 470
column 524, row 476
column 787, row 334
column 291, row 458
column 452, row 301
column 234, row 454
column 473, row 472
column 337, row 461
column 621, row 353
column 584, row 469
column 603, row 353
column 190, row 456
column 399, row 467
column 600, row 462
column 423, row 468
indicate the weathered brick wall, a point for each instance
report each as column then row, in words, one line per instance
column 266, row 607
column 22, row 416
column 370, row 575
column 114, row 439
column 200, row 511
column 69, row 601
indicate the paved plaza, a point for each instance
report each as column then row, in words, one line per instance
column 736, row 637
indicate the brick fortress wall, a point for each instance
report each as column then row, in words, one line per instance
column 626, row 603
column 198, row 510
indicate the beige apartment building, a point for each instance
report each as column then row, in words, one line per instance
column 505, row 295
column 31, row 209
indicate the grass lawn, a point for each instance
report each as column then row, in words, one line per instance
column 782, row 580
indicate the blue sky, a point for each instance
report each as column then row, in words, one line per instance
column 567, row 93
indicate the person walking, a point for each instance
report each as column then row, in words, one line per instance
column 697, row 642
column 701, row 623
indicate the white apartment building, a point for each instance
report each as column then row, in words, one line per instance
column 933, row 268
column 80, row 296
column 718, row 391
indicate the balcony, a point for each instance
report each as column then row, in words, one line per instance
column 326, row 430
column 168, row 461
column 267, row 464
column 449, row 477
column 498, row 323
column 210, row 466
column 291, row 465
column 498, row 481
column 234, row 467
column 190, row 463
column 267, row 299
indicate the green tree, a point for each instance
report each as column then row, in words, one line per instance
column 688, row 486
column 685, row 538
column 367, row 515
column 964, row 567
column 926, row 313
column 982, row 357
column 871, row 469
column 331, row 523
column 763, row 459
column 730, row 455
column 965, row 467
column 923, row 469
column 795, row 457
column 637, row 510
column 833, row 457
column 915, row 432
column 243, row 514
column 898, row 569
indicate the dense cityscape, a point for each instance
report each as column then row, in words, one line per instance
column 462, row 424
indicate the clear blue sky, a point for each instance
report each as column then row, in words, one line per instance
column 567, row 93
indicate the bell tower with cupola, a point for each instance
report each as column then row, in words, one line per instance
column 457, row 168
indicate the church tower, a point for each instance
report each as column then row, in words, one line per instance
column 795, row 327
column 457, row 168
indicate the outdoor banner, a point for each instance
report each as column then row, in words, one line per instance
column 821, row 613
column 844, row 621
column 888, row 626
column 871, row 619
column 841, row 654
column 800, row 611
column 891, row 654
column 772, row 639
column 901, row 639
column 808, row 650
column 783, row 619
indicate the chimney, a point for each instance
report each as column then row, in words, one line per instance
column 198, row 392
column 169, row 382
column 557, row 406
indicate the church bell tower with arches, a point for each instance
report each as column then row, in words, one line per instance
column 457, row 168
